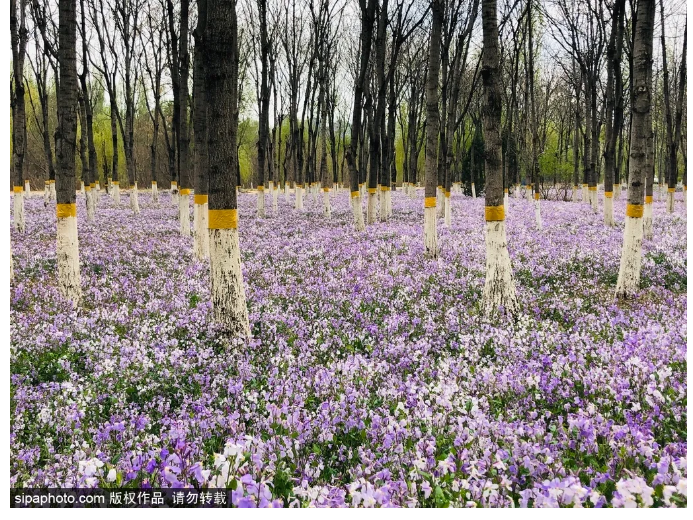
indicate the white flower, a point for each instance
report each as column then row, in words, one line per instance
column 111, row 475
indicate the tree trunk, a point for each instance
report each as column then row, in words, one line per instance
column 184, row 135
column 628, row 282
column 19, row 36
column 221, row 52
column 499, row 288
column 200, row 166
column 432, row 130
column 67, row 250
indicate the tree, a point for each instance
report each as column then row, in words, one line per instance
column 19, row 36
column 499, row 288
column 614, row 105
column 673, row 121
column 200, row 159
column 367, row 19
column 221, row 50
column 432, row 129
column 628, row 282
column 184, row 179
column 67, row 250
column 88, row 155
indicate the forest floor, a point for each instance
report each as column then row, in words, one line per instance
column 372, row 378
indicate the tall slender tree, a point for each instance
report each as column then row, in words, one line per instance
column 628, row 282
column 19, row 36
column 67, row 250
column 200, row 159
column 499, row 288
column 221, row 51
column 432, row 129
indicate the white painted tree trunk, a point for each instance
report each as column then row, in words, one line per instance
column 617, row 191
column 609, row 211
column 447, row 210
column 27, row 188
column 594, row 202
column 685, row 197
column 201, row 244
column 275, row 198
column 67, row 254
column 53, row 194
column 89, row 193
column 573, row 197
column 628, row 283
column 537, row 214
column 228, row 291
column 388, row 196
column 357, row 210
column 499, row 287
column 184, row 214
column 383, row 205
column 371, row 210
column 298, row 194
column 670, row 201
column 155, row 193
column 327, row 208
column 81, row 188
column 134, row 200
column 506, row 196
column 647, row 220
column 261, row 201
column 19, row 222
column 430, row 233
column 46, row 192
column 116, row 194
column 174, row 194
column 286, row 191
column 473, row 191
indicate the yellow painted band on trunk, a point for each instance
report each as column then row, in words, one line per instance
column 201, row 199
column 52, row 181
column 174, row 183
column 608, row 194
column 671, row 190
column 593, row 188
column 223, row 219
column 505, row 190
column 648, row 199
column 537, row 196
column 355, row 194
column 153, row 183
column 326, row 190
column 66, row 210
column 17, row 189
column 115, row 183
column 429, row 202
column 87, row 187
column 93, row 185
column 372, row 190
column 584, row 185
column 447, row 194
column 299, row 186
column 185, row 191
column 261, row 188
column 494, row 213
column 384, row 188
column 634, row 210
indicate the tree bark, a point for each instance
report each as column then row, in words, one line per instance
column 628, row 282
column 221, row 51
column 67, row 251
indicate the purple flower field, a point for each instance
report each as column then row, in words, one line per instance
column 372, row 379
